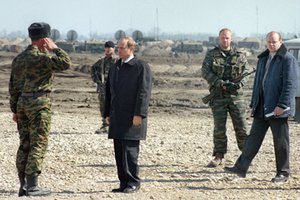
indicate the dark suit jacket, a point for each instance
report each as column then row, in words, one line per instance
column 128, row 90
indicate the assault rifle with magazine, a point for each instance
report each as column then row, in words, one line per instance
column 230, row 84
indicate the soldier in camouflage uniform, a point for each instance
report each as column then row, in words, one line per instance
column 220, row 67
column 30, row 85
column 99, row 75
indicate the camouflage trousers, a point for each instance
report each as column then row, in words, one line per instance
column 237, row 111
column 101, row 98
column 34, row 120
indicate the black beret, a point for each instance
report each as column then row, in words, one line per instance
column 39, row 30
column 109, row 44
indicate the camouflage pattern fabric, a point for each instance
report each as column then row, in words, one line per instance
column 226, row 66
column 33, row 72
column 101, row 97
column 102, row 65
column 105, row 63
column 219, row 65
column 236, row 109
column 34, row 121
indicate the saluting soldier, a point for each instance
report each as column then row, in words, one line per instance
column 30, row 86
column 220, row 67
column 99, row 75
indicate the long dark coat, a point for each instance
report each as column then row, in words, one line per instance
column 128, row 90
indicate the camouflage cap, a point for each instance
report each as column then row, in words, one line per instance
column 39, row 30
column 109, row 44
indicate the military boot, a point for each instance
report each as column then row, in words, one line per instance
column 32, row 187
column 103, row 129
column 22, row 189
column 217, row 161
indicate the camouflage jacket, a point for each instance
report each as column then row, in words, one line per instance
column 33, row 71
column 224, row 65
column 101, row 68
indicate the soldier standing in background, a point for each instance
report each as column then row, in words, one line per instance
column 220, row 67
column 99, row 75
column 30, row 85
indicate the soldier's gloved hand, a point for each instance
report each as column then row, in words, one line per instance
column 219, row 83
column 238, row 85
column 231, row 87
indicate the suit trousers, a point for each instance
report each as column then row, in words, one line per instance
column 280, row 132
column 126, row 155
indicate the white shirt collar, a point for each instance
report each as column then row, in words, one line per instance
column 128, row 59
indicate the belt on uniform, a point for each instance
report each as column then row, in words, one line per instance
column 35, row 94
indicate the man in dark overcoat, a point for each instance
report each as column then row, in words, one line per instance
column 128, row 90
column 272, row 102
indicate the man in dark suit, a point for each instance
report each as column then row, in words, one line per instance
column 128, row 90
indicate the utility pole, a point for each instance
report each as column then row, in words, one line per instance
column 257, row 20
column 157, row 26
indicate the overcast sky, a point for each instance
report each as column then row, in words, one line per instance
column 171, row 16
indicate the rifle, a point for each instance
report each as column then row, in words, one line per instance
column 212, row 94
column 99, row 80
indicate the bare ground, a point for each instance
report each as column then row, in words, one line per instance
column 80, row 164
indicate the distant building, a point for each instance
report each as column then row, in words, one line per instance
column 188, row 47
column 250, row 43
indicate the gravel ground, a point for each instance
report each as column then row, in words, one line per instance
column 80, row 164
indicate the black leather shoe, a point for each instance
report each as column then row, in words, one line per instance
column 236, row 171
column 120, row 189
column 131, row 189
column 281, row 178
column 22, row 192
